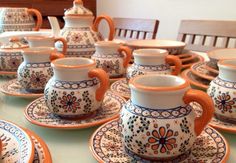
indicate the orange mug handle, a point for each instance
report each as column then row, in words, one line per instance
column 127, row 57
column 104, row 82
column 110, row 24
column 207, row 106
column 64, row 50
column 56, row 55
column 177, row 62
column 39, row 18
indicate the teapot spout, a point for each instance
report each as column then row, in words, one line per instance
column 54, row 26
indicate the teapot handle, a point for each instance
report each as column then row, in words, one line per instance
column 110, row 23
column 64, row 50
column 104, row 82
column 207, row 106
column 56, row 55
column 128, row 53
column 39, row 18
column 177, row 62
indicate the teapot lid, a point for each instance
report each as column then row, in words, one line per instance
column 78, row 9
column 15, row 43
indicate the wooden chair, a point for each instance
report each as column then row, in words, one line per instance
column 132, row 28
column 205, row 35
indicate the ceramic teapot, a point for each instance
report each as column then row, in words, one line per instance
column 19, row 19
column 80, row 32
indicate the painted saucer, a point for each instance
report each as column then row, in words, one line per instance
column 199, row 69
column 7, row 74
column 38, row 113
column 190, row 63
column 186, row 57
column 216, row 123
column 211, row 69
column 13, row 88
column 106, row 146
column 195, row 81
column 17, row 144
column 112, row 80
column 41, row 151
column 121, row 88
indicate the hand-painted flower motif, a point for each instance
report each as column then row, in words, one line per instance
column 38, row 79
column 163, row 139
column 14, row 63
column 69, row 102
column 76, row 37
column 109, row 66
column 224, row 102
column 112, row 146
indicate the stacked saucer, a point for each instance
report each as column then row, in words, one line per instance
column 22, row 145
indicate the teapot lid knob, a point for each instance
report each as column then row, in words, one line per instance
column 78, row 2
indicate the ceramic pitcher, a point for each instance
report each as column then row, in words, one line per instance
column 10, row 55
column 112, row 57
column 80, row 32
column 153, row 61
column 46, row 41
column 19, row 19
column 222, row 90
column 77, row 88
column 158, row 123
column 35, row 71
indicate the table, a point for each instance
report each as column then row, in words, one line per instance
column 70, row 146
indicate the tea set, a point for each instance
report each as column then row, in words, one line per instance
column 71, row 76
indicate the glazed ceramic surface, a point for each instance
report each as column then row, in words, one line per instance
column 195, row 81
column 19, row 19
column 121, row 87
column 46, row 41
column 215, row 122
column 10, row 55
column 38, row 113
column 13, row 88
column 220, row 54
column 36, row 70
column 80, row 32
column 16, row 144
column 222, row 91
column 107, row 146
column 173, row 47
column 156, row 129
column 199, row 69
column 110, row 58
column 77, row 87
column 153, row 61
column 41, row 152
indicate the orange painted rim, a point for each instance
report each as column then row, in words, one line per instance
column 7, row 73
column 47, row 155
column 199, row 59
column 135, row 85
column 222, row 63
column 79, row 126
column 30, row 95
column 56, row 65
column 192, row 82
column 188, row 59
column 195, row 72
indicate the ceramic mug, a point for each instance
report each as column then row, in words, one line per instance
column 220, row 54
column 222, row 90
column 19, row 19
column 35, row 71
column 46, row 41
column 77, row 88
column 10, row 55
column 110, row 58
column 153, row 61
column 158, row 123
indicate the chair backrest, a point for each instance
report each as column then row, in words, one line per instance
column 132, row 28
column 205, row 35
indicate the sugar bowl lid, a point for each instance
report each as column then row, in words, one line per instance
column 15, row 43
column 78, row 9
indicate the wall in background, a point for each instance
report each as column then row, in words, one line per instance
column 169, row 12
